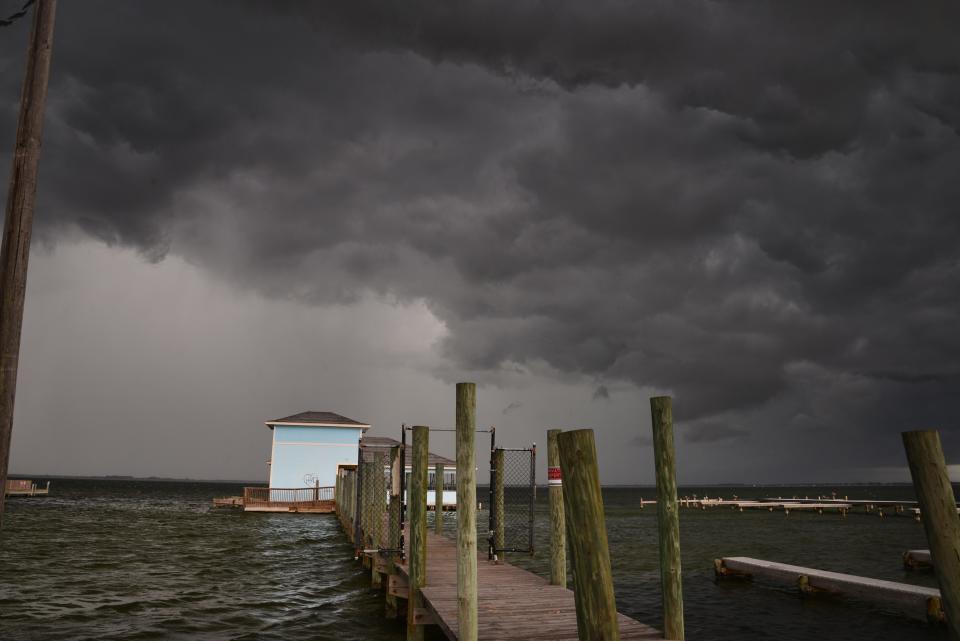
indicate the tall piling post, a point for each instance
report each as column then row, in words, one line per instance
column 499, row 528
column 558, row 541
column 466, row 512
column 668, row 520
column 393, row 528
column 938, row 511
column 378, row 510
column 438, row 498
column 587, row 536
column 18, row 222
column 417, row 568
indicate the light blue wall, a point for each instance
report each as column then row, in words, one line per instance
column 303, row 455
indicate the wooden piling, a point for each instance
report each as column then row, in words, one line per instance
column 498, row 506
column 466, row 512
column 668, row 520
column 378, row 511
column 417, row 502
column 558, row 541
column 938, row 511
column 438, row 498
column 18, row 225
column 587, row 536
column 393, row 528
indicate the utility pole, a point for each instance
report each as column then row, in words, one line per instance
column 18, row 224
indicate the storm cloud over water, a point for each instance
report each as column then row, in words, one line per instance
column 750, row 206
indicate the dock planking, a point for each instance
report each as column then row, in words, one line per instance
column 512, row 603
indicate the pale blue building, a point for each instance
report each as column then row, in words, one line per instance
column 308, row 448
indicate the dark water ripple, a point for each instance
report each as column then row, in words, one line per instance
column 124, row 560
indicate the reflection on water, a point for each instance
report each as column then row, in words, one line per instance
column 118, row 560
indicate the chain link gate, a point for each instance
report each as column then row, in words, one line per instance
column 377, row 501
column 513, row 497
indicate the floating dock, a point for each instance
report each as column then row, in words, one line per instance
column 25, row 487
column 913, row 600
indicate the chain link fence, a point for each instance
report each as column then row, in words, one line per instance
column 513, row 496
column 374, row 530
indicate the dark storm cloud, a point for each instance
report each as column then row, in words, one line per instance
column 747, row 204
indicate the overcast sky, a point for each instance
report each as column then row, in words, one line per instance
column 251, row 209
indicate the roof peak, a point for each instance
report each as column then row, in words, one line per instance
column 317, row 418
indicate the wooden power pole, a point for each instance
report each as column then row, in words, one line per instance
column 19, row 219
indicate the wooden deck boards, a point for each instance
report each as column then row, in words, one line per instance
column 512, row 603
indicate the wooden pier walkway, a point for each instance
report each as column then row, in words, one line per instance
column 512, row 603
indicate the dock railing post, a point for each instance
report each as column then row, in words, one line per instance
column 498, row 507
column 938, row 511
column 466, row 512
column 418, row 529
column 366, row 508
column 378, row 511
column 668, row 520
column 438, row 498
column 393, row 529
column 587, row 537
column 558, row 541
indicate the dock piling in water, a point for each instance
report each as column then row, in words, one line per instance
column 938, row 511
column 417, row 501
column 558, row 541
column 668, row 520
column 587, row 534
column 438, row 498
column 466, row 416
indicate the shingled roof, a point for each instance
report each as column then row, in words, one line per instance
column 331, row 419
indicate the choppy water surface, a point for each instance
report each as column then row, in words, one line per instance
column 119, row 560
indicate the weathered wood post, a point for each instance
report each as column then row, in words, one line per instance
column 336, row 492
column 18, row 224
column 499, row 537
column 366, row 508
column 558, row 541
column 587, row 537
column 466, row 512
column 938, row 510
column 668, row 520
column 393, row 529
column 438, row 498
column 378, row 510
column 417, row 495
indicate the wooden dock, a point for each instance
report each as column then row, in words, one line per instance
column 512, row 603
column 913, row 600
column 25, row 487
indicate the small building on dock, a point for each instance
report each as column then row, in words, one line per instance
column 308, row 448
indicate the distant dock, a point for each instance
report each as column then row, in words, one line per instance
column 303, row 500
column 25, row 487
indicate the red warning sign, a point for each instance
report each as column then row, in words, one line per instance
column 553, row 476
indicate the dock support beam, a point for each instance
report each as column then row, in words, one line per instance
column 418, row 529
column 587, row 535
column 558, row 541
column 466, row 512
column 938, row 510
column 377, row 514
column 393, row 528
column 668, row 520
column 438, row 498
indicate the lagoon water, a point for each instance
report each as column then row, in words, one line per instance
column 116, row 560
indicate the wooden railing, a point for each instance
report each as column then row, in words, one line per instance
column 296, row 497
